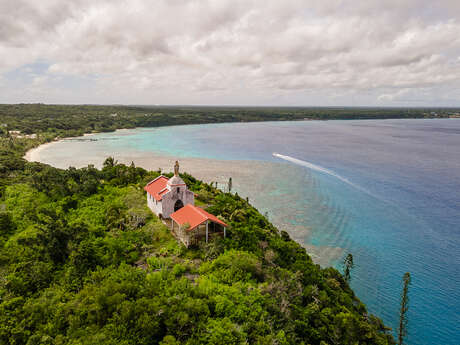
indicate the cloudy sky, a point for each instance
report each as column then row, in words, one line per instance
column 236, row 52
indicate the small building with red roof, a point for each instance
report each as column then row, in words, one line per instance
column 165, row 196
column 192, row 224
column 170, row 199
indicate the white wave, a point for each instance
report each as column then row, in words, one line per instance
column 318, row 168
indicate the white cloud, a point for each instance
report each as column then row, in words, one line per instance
column 232, row 52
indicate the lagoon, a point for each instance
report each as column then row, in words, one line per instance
column 387, row 191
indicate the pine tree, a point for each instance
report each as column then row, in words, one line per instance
column 402, row 332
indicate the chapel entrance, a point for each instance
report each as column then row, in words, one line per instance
column 178, row 205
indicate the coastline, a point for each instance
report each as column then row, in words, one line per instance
column 243, row 174
column 375, row 288
column 33, row 155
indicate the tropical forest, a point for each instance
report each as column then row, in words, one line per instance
column 84, row 261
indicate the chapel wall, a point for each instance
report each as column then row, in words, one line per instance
column 168, row 202
column 151, row 203
column 169, row 199
column 189, row 198
column 154, row 205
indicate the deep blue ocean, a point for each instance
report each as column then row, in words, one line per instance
column 387, row 191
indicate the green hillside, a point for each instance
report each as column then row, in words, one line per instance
column 84, row 261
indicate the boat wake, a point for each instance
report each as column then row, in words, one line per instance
column 319, row 169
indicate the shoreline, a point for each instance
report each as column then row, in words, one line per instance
column 31, row 152
column 207, row 170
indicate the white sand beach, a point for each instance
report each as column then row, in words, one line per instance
column 33, row 155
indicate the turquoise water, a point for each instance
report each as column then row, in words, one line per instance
column 388, row 191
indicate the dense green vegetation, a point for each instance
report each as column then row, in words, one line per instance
column 83, row 261
column 78, row 119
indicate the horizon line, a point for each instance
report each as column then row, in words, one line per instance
column 237, row 106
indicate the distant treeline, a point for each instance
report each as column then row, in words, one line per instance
column 77, row 119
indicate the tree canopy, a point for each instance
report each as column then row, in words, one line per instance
column 84, row 261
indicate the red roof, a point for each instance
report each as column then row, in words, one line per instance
column 157, row 188
column 194, row 216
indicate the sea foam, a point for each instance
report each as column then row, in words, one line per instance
column 319, row 169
